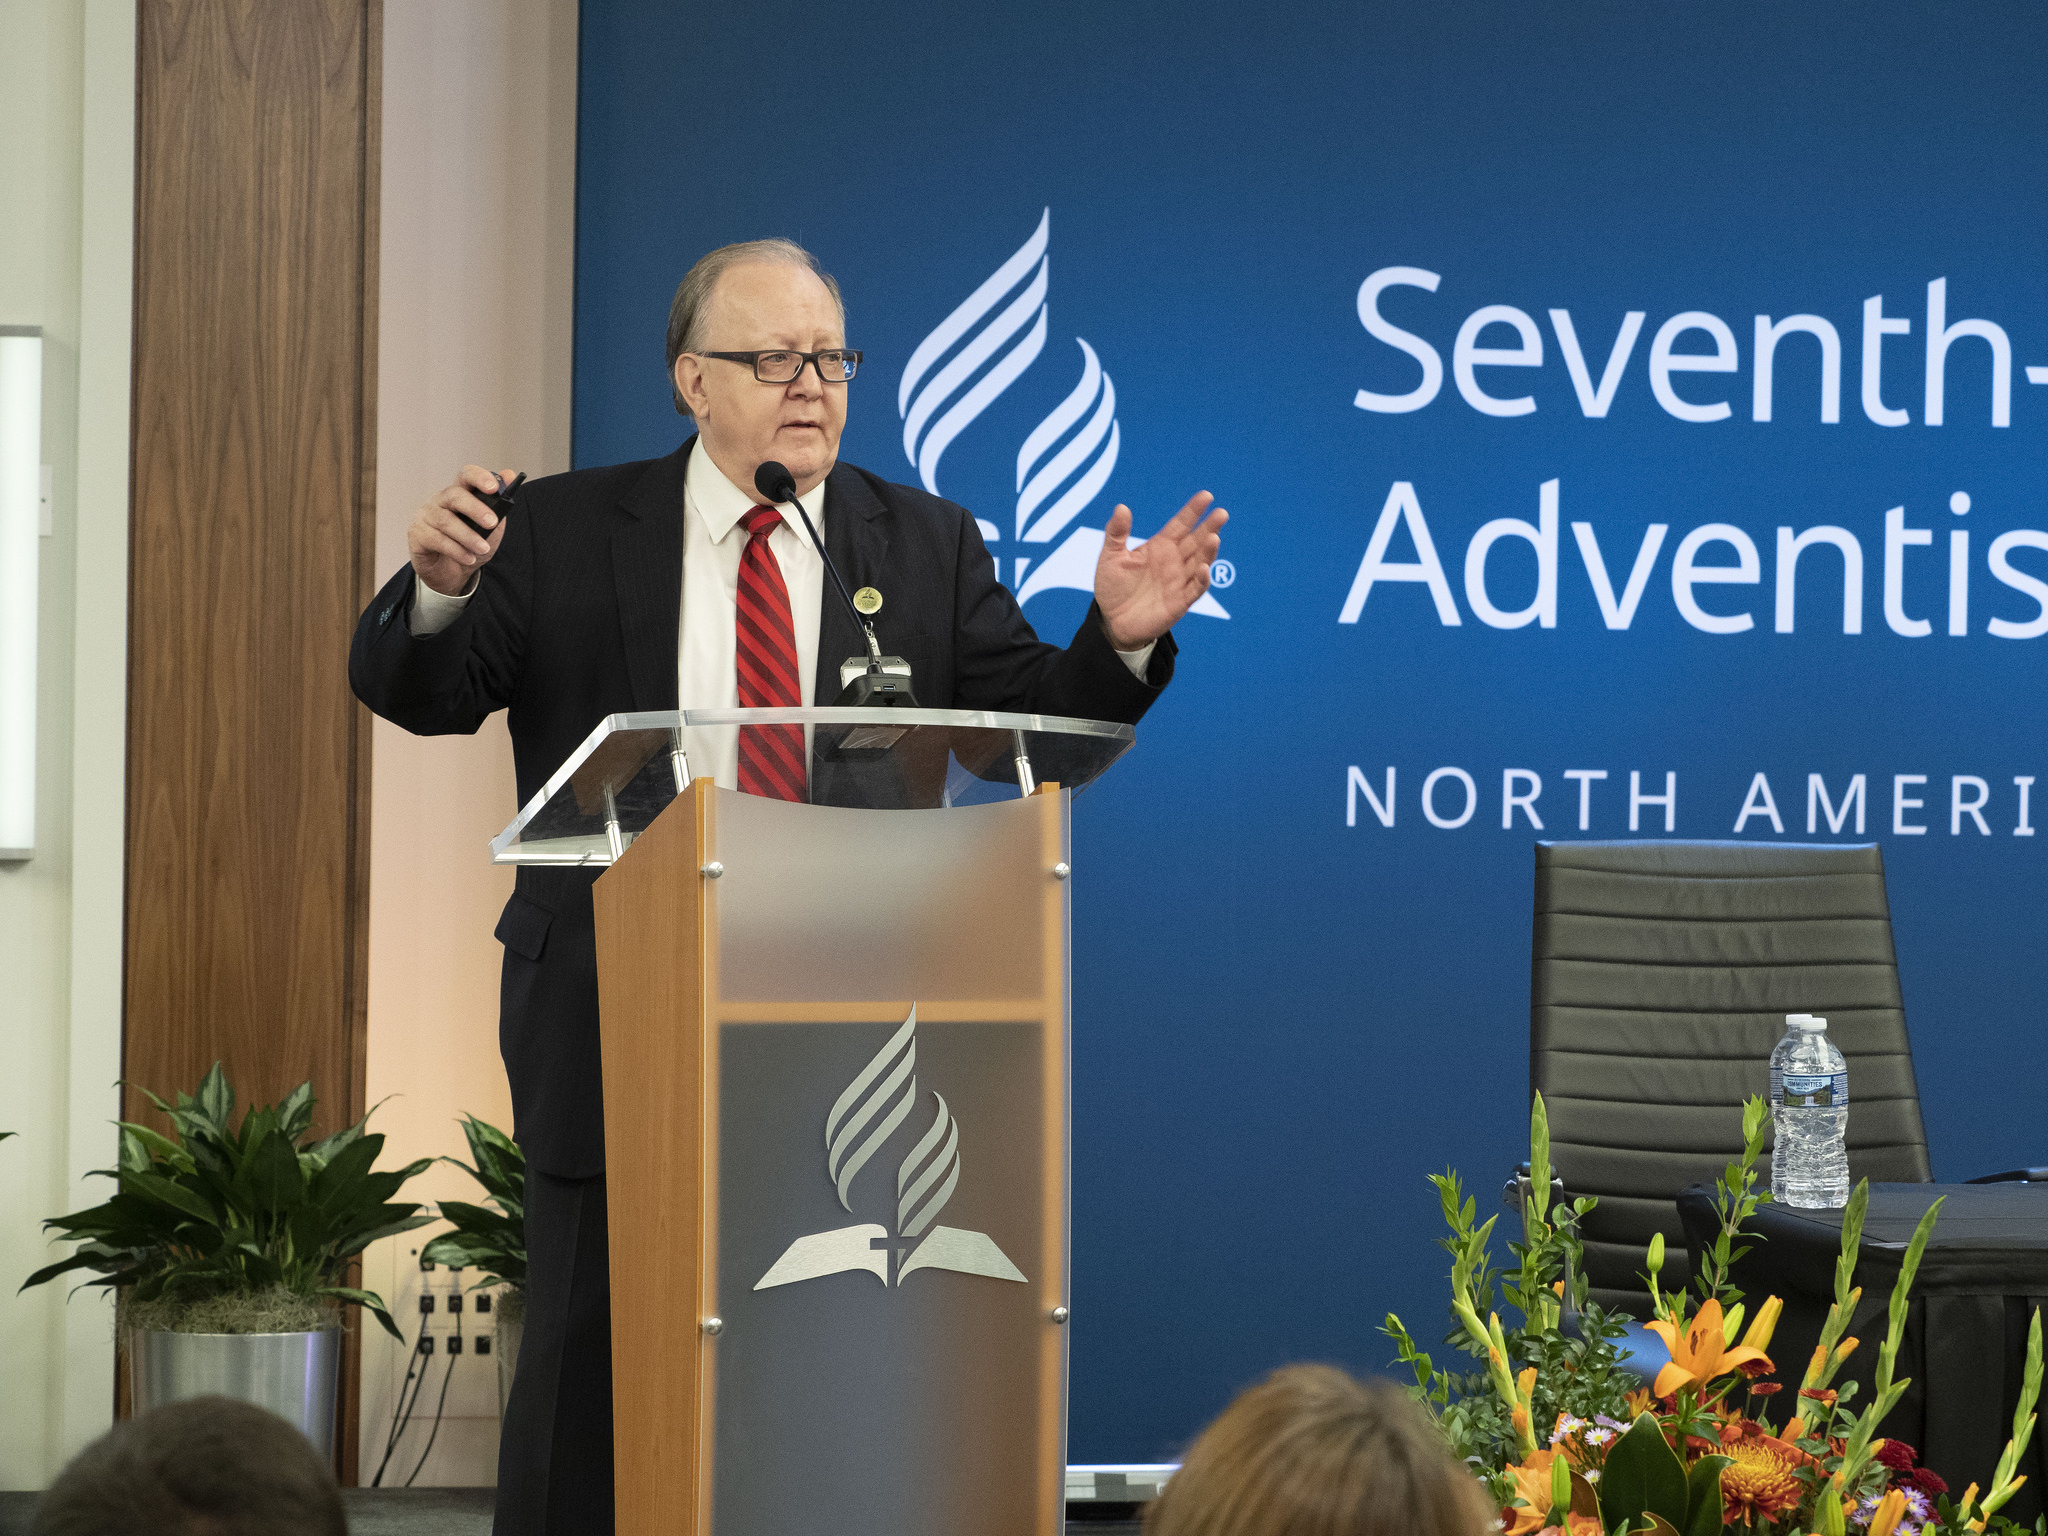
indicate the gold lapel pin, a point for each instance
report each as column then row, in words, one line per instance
column 868, row 600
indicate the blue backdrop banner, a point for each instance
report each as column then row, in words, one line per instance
column 1632, row 420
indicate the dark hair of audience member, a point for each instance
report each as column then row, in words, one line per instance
column 205, row 1467
column 1310, row 1451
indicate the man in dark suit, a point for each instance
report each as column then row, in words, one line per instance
column 663, row 584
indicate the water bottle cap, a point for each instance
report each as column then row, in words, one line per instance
column 1807, row 1022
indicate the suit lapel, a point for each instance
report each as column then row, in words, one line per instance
column 859, row 546
column 647, row 570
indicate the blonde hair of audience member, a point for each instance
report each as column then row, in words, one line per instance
column 1310, row 1451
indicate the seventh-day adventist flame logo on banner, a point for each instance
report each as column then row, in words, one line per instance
column 871, row 1110
column 958, row 371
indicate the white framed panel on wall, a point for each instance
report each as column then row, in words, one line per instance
column 21, row 446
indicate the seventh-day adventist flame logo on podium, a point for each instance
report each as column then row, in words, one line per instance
column 871, row 1110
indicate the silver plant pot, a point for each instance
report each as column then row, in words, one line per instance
column 509, row 1336
column 294, row 1375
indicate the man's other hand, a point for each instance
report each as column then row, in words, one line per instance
column 446, row 554
column 1144, row 591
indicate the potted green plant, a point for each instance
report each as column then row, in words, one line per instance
column 491, row 1241
column 227, row 1248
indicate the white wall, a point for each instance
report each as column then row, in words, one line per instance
column 479, row 161
column 474, row 334
column 67, row 89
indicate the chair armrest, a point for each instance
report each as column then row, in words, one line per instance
column 1516, row 1190
column 2015, row 1176
column 1514, row 1195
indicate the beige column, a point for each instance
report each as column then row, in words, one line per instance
column 477, row 242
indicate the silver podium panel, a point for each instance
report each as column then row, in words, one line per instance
column 881, row 1361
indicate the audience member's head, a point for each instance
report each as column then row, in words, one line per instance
column 206, row 1467
column 1311, row 1452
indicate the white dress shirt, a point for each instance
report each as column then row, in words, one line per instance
column 713, row 541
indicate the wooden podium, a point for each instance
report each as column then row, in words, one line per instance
column 836, row 1120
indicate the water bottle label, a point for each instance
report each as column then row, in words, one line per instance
column 1815, row 1090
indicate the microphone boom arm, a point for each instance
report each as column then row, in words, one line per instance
column 880, row 683
column 868, row 629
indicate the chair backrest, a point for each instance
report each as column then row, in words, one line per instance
column 1662, row 973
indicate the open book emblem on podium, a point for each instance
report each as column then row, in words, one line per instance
column 871, row 1110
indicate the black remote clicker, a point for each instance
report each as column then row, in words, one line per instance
column 499, row 502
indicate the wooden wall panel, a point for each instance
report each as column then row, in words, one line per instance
column 253, row 527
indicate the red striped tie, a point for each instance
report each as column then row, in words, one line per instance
column 764, row 655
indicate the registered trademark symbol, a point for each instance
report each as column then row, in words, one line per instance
column 1222, row 574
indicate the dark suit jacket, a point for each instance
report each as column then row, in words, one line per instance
column 576, row 618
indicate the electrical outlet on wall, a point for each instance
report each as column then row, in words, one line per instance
column 446, row 1311
column 443, row 1331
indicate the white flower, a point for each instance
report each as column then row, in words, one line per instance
column 1566, row 1426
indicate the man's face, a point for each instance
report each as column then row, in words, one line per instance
column 757, row 307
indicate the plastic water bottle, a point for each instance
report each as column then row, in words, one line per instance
column 1810, row 1109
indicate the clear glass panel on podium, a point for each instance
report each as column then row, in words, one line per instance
column 630, row 768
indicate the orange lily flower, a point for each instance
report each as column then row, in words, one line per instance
column 1532, row 1487
column 1519, row 1416
column 1701, row 1353
column 1818, row 1363
column 1764, row 1325
column 1885, row 1518
column 1969, row 1503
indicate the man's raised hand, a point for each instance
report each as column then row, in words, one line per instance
column 1143, row 592
column 445, row 553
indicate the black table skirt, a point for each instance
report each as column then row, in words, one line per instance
column 1983, row 1274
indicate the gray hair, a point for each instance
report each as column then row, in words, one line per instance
column 205, row 1465
column 686, row 311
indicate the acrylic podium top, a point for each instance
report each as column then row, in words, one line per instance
column 630, row 768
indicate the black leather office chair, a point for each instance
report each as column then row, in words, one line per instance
column 1661, row 976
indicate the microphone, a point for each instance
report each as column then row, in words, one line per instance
column 881, row 679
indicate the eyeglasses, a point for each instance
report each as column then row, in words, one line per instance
column 835, row 366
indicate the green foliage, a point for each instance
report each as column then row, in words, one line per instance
column 493, row 1241
column 1703, row 1496
column 1948, row 1516
column 1662, row 1474
column 220, row 1211
column 2004, row 1482
column 1887, row 1392
column 1643, row 1476
column 1736, row 1198
column 1646, row 1488
column 1575, row 1367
